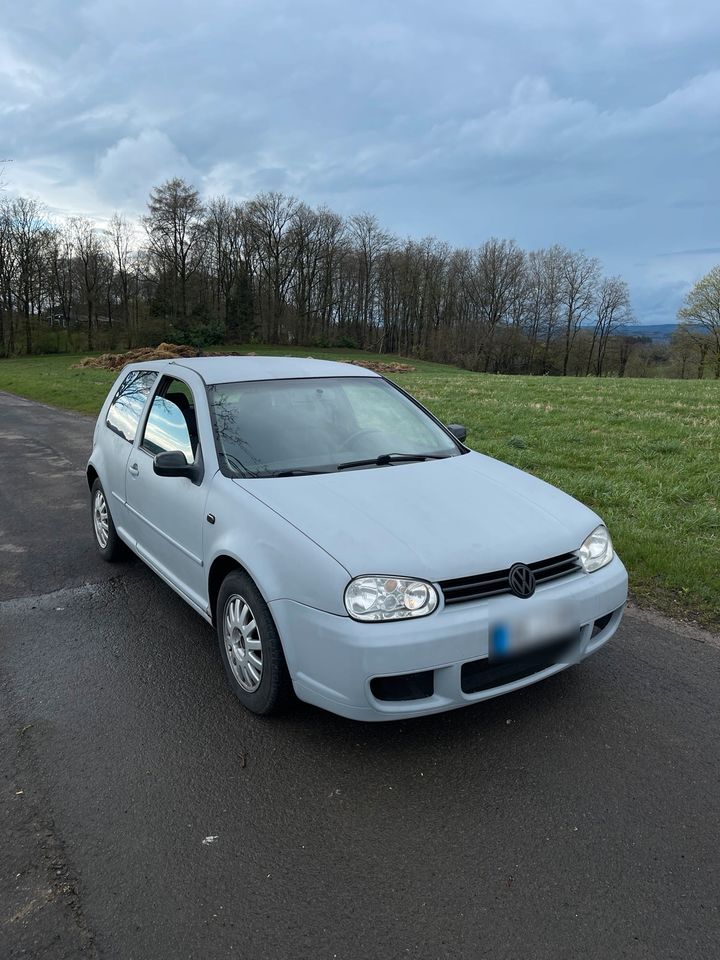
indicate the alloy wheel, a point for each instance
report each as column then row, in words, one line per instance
column 242, row 643
column 101, row 520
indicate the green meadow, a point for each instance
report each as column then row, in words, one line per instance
column 645, row 454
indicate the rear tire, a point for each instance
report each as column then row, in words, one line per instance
column 108, row 543
column 250, row 647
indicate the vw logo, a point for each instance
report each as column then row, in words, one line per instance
column 522, row 580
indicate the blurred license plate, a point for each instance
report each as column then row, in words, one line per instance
column 513, row 638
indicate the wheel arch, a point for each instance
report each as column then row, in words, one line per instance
column 221, row 566
column 92, row 475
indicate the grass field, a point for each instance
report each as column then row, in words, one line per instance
column 645, row 454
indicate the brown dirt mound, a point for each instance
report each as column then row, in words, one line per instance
column 165, row 351
column 116, row 361
column 172, row 351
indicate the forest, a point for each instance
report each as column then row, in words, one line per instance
column 274, row 270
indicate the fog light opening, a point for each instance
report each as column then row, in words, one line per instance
column 601, row 623
column 407, row 686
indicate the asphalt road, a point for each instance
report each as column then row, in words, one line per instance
column 577, row 818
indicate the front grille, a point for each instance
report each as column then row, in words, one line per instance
column 485, row 585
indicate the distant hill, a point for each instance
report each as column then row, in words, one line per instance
column 659, row 332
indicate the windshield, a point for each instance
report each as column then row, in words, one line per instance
column 266, row 427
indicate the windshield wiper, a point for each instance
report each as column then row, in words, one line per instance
column 386, row 458
column 296, row 473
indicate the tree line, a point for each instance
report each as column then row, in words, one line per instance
column 275, row 270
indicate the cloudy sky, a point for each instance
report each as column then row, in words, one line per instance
column 591, row 123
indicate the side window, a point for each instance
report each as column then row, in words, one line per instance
column 124, row 412
column 171, row 423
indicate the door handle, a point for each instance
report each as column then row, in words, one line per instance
column 134, row 470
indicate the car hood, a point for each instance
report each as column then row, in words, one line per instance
column 436, row 519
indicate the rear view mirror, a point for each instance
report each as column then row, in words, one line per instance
column 458, row 431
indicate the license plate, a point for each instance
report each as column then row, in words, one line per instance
column 511, row 639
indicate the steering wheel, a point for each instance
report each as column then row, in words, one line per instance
column 357, row 434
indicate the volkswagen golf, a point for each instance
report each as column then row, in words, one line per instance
column 344, row 543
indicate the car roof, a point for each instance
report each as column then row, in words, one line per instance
column 233, row 369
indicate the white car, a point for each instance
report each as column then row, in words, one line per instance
column 343, row 542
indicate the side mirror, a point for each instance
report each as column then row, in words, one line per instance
column 172, row 463
column 458, row 431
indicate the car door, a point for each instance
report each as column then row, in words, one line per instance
column 118, row 435
column 166, row 514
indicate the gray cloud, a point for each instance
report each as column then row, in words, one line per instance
column 128, row 166
column 597, row 126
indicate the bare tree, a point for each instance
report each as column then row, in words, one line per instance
column 702, row 307
column 29, row 235
column 612, row 311
column 119, row 236
column 551, row 266
column 7, row 273
column 270, row 219
column 370, row 242
column 62, row 274
column 580, row 276
column 175, row 229
column 500, row 265
column 88, row 247
column 227, row 262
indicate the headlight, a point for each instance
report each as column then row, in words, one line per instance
column 389, row 598
column 596, row 550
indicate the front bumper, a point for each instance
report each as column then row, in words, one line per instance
column 333, row 660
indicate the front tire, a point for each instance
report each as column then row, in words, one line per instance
column 109, row 545
column 250, row 647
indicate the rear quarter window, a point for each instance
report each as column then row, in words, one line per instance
column 124, row 413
